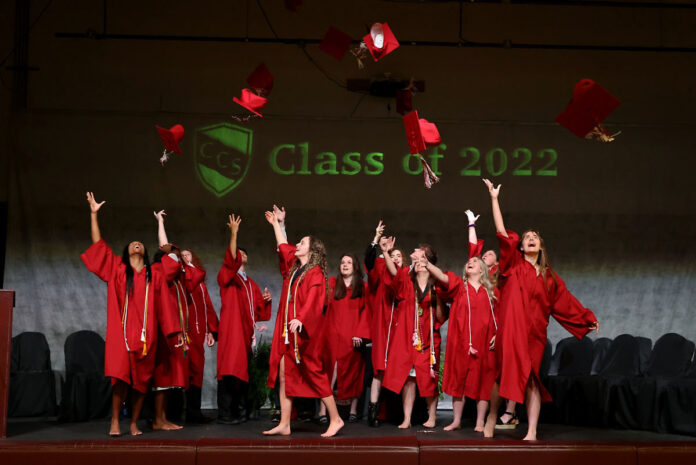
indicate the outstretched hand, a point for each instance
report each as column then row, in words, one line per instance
column 234, row 222
column 272, row 218
column 160, row 216
column 470, row 216
column 266, row 295
column 594, row 326
column 494, row 191
column 94, row 206
column 279, row 213
column 387, row 245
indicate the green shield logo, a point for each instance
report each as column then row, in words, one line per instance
column 223, row 155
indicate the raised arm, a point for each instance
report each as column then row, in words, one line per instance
column 473, row 238
column 161, row 233
column 233, row 224
column 94, row 207
column 497, row 215
column 436, row 272
column 280, row 214
column 272, row 219
column 386, row 247
column 371, row 252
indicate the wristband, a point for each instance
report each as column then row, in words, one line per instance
column 472, row 225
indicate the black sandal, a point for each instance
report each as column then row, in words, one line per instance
column 352, row 418
column 323, row 420
column 510, row 424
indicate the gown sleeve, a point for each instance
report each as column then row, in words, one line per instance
column 362, row 329
column 447, row 292
column 568, row 311
column 509, row 255
column 262, row 312
column 230, row 266
column 286, row 254
column 475, row 249
column 100, row 260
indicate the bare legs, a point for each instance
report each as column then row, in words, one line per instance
column 509, row 407
column 457, row 408
column 119, row 394
column 160, row 422
column 283, row 427
column 489, row 427
column 533, row 400
column 431, row 402
column 408, row 397
column 481, row 409
column 376, row 386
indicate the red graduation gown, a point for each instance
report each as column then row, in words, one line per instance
column 525, row 307
column 126, row 356
column 381, row 305
column 202, row 319
column 470, row 375
column 402, row 354
column 242, row 307
column 172, row 366
column 304, row 359
column 345, row 319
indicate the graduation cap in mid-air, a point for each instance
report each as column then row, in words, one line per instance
column 421, row 133
column 171, row 138
column 251, row 102
column 591, row 104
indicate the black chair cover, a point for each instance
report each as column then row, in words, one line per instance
column 87, row 393
column 600, row 351
column 671, row 356
column 32, row 382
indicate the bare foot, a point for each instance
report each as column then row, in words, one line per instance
column 505, row 418
column 430, row 423
column 164, row 426
column 405, row 425
column 134, row 430
column 280, row 430
column 489, row 428
column 530, row 437
column 479, row 428
column 334, row 427
column 173, row 426
column 453, row 426
column 115, row 429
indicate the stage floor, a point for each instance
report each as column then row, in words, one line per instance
column 52, row 430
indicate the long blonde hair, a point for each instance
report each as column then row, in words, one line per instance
column 485, row 278
column 317, row 257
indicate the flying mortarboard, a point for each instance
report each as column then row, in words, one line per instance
column 380, row 42
column 591, row 104
column 261, row 80
column 251, row 102
column 336, row 43
column 420, row 133
column 171, row 138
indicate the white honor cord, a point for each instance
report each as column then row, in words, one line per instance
column 250, row 299
column 386, row 349
column 125, row 322
column 205, row 307
column 287, row 303
column 468, row 303
column 490, row 302
column 195, row 312
column 125, row 318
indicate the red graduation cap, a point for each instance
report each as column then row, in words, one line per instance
column 261, row 80
column 251, row 101
column 336, row 43
column 420, row 133
column 381, row 41
column 404, row 101
column 591, row 104
column 171, row 138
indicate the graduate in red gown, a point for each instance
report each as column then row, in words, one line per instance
column 469, row 361
column 172, row 365
column 134, row 302
column 531, row 293
column 203, row 329
column 345, row 328
column 381, row 308
column 414, row 348
column 243, row 305
column 297, row 359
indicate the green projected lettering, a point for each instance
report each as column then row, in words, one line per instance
column 496, row 162
column 287, row 159
column 223, row 154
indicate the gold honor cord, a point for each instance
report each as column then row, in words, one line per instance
column 184, row 327
column 124, row 319
column 250, row 299
column 386, row 349
column 205, row 308
column 294, row 315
